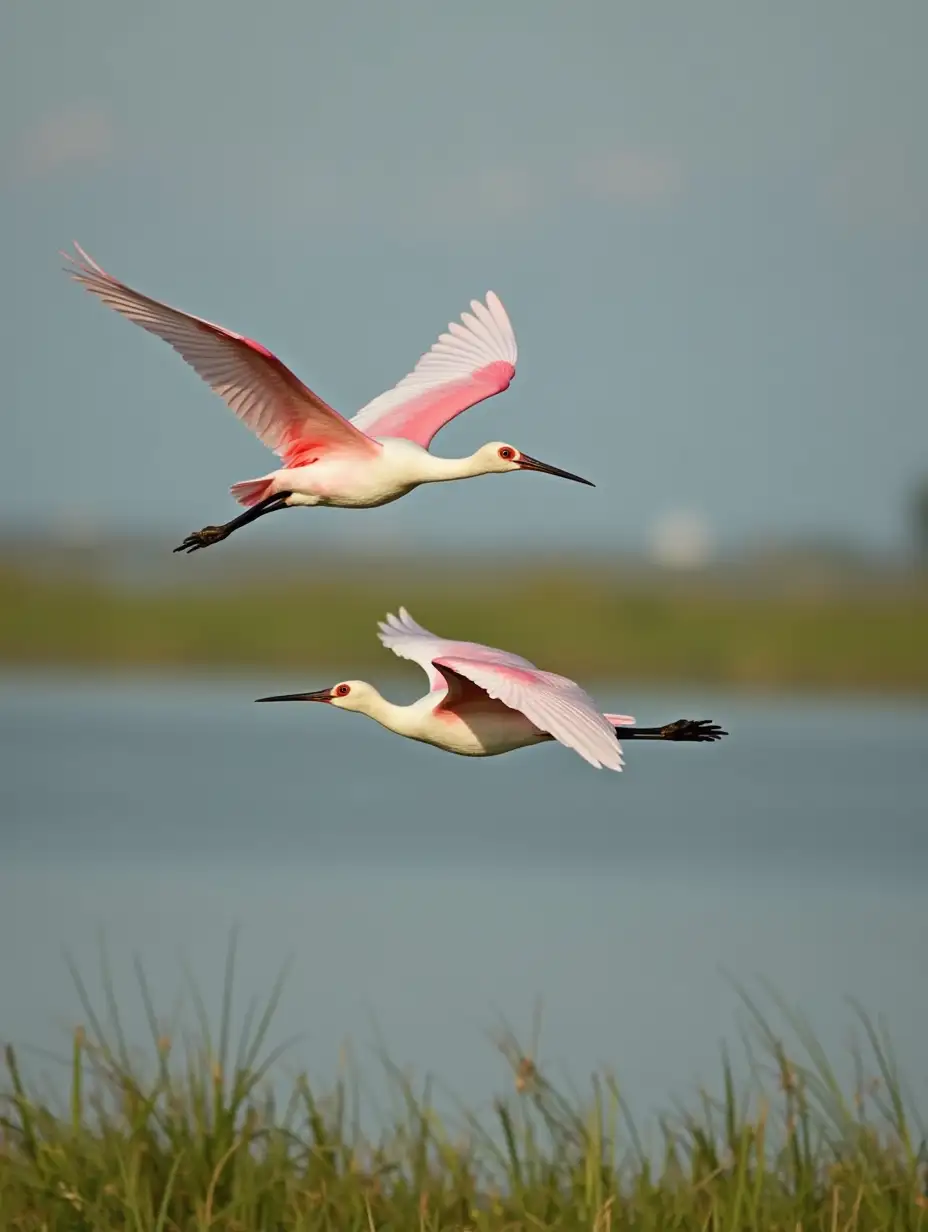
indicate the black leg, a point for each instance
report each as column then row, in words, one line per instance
column 700, row 730
column 214, row 534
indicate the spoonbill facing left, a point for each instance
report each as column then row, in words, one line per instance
column 374, row 458
column 483, row 702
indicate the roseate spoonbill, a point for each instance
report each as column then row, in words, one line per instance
column 483, row 701
column 374, row 458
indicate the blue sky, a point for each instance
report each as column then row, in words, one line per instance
column 709, row 224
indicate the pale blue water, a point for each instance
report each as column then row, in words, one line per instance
column 429, row 894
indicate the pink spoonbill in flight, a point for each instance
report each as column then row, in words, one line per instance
column 482, row 702
column 377, row 456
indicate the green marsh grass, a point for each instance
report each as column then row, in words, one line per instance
column 708, row 632
column 189, row 1135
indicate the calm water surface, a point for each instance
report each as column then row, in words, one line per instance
column 421, row 897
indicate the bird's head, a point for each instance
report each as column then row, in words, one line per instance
column 347, row 695
column 497, row 456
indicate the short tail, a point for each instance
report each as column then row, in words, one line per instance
column 619, row 720
column 250, row 491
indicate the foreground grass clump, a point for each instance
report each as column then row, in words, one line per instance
column 195, row 1141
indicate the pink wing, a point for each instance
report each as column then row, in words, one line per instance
column 262, row 391
column 476, row 360
column 553, row 703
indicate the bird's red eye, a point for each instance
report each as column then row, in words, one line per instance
column 342, row 690
column 507, row 454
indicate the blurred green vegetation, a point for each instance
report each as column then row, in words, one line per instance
column 581, row 622
column 186, row 1136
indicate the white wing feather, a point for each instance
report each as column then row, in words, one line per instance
column 409, row 640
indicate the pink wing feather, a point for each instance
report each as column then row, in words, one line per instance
column 262, row 391
column 553, row 703
column 473, row 361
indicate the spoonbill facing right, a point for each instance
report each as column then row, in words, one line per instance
column 376, row 457
column 483, row 702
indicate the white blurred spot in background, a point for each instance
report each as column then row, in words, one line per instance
column 680, row 539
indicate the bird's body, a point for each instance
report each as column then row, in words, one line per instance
column 376, row 457
column 335, row 479
column 483, row 702
column 482, row 729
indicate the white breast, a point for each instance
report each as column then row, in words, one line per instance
column 477, row 732
column 361, row 483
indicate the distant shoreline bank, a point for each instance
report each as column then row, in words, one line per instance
column 688, row 632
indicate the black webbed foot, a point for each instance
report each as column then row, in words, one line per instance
column 203, row 538
column 700, row 730
column 215, row 534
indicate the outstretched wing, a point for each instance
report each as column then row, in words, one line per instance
column 553, row 703
column 262, row 391
column 474, row 361
column 410, row 640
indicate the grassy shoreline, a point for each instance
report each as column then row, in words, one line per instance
column 188, row 1137
column 708, row 634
